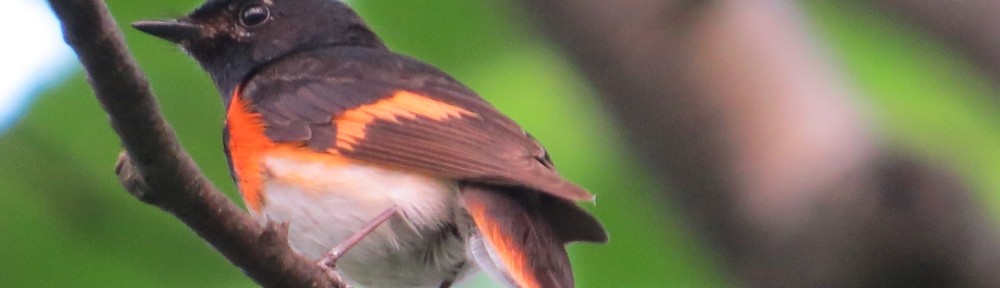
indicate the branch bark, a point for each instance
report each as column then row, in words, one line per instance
column 735, row 106
column 159, row 172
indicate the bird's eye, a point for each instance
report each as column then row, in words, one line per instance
column 254, row 14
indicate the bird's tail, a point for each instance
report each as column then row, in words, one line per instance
column 519, row 241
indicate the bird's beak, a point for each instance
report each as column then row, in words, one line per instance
column 170, row 30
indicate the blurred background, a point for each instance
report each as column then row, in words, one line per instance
column 66, row 222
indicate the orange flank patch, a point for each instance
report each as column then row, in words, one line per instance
column 511, row 254
column 247, row 143
column 352, row 124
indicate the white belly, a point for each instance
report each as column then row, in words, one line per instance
column 325, row 203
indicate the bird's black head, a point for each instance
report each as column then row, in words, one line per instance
column 232, row 38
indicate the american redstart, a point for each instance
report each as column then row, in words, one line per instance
column 360, row 148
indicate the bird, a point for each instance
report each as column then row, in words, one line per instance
column 387, row 170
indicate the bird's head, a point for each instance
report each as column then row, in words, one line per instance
column 232, row 38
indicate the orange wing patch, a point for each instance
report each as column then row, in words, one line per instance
column 352, row 124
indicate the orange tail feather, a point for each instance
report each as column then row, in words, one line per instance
column 512, row 224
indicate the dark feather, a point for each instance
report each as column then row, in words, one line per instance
column 570, row 222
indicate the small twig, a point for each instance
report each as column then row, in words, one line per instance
column 159, row 172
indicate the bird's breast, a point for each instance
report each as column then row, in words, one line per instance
column 328, row 199
column 324, row 201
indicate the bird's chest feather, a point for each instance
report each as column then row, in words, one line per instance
column 327, row 201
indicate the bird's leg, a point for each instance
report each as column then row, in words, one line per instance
column 329, row 261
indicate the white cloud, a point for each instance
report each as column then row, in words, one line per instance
column 33, row 52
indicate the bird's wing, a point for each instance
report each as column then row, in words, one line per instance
column 392, row 111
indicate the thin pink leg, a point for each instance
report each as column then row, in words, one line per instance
column 329, row 261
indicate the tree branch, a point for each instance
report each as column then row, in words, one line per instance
column 763, row 143
column 159, row 172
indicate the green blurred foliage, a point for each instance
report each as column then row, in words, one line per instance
column 64, row 220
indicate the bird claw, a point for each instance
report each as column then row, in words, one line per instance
column 328, row 266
